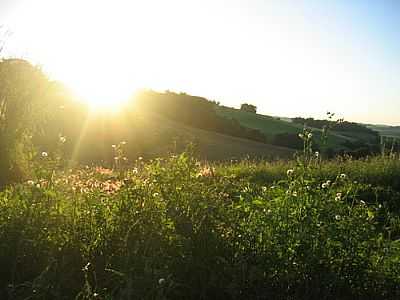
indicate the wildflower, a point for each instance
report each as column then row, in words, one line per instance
column 362, row 202
column 30, row 182
column 309, row 135
column 161, row 281
column 294, row 194
column 156, row 194
column 135, row 171
column 62, row 139
column 264, row 189
column 123, row 143
column 113, row 146
column 86, row 268
column 206, row 172
column 316, row 154
column 338, row 196
column 343, row 176
column 289, row 172
column 325, row 185
column 140, row 158
column 301, row 135
column 116, row 158
column 337, row 217
column 44, row 154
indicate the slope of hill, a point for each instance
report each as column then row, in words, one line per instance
column 274, row 128
column 156, row 135
column 388, row 131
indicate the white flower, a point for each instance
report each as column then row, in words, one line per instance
column 324, row 185
column 30, row 182
column 301, row 135
column 264, row 189
column 337, row 217
column 161, row 281
column 63, row 139
column 289, row 172
column 309, row 135
column 156, row 194
column 316, row 154
column 338, row 196
column 362, row 202
column 113, row 146
column 294, row 194
column 342, row 176
column 123, row 143
column 44, row 154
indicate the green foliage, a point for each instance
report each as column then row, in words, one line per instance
column 22, row 88
column 248, row 107
column 176, row 228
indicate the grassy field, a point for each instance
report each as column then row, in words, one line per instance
column 152, row 135
column 389, row 131
column 175, row 228
column 272, row 126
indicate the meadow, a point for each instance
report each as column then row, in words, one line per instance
column 178, row 228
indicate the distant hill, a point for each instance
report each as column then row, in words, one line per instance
column 279, row 132
column 385, row 130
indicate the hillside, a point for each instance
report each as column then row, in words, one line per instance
column 275, row 128
column 152, row 135
column 388, row 131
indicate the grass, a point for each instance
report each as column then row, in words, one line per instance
column 175, row 228
column 270, row 127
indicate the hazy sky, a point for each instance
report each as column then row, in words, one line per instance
column 290, row 58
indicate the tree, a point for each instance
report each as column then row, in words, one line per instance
column 22, row 85
column 248, row 107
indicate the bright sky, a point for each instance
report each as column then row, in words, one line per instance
column 289, row 58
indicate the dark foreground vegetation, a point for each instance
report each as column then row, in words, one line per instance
column 177, row 229
column 82, row 216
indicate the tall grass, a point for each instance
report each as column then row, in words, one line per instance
column 177, row 229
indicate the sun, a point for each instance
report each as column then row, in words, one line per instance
column 101, row 92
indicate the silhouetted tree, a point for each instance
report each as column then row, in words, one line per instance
column 248, row 107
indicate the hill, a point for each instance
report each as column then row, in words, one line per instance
column 151, row 135
column 277, row 131
column 387, row 131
